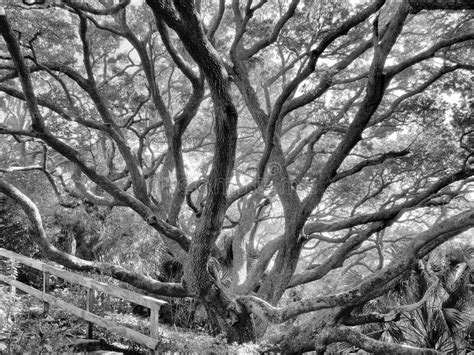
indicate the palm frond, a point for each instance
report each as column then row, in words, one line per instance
column 351, row 278
column 456, row 277
column 456, row 318
column 439, row 289
column 343, row 348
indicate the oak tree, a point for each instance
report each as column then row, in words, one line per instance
column 269, row 144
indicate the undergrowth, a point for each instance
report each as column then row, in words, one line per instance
column 24, row 327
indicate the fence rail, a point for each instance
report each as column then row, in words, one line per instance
column 154, row 304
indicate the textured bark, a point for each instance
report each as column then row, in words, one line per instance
column 184, row 19
column 441, row 4
column 239, row 245
column 345, row 334
column 290, row 244
column 302, row 337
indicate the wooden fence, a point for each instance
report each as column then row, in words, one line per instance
column 91, row 285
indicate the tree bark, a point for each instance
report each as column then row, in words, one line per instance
column 183, row 17
column 418, row 5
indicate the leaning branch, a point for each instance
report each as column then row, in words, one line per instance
column 83, row 6
column 40, row 131
column 338, row 257
column 75, row 263
column 317, row 227
column 265, row 42
column 418, row 5
column 374, row 285
column 370, row 162
column 349, row 335
column 375, row 89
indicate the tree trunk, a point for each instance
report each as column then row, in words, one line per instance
column 302, row 338
column 198, row 280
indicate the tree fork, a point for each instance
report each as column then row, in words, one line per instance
column 184, row 19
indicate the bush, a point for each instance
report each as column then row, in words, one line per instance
column 16, row 236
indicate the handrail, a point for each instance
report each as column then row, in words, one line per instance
column 146, row 301
column 115, row 291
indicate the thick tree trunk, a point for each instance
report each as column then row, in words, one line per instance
column 182, row 16
column 301, row 338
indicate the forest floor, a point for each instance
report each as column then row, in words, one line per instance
column 25, row 328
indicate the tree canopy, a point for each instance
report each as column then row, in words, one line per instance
column 267, row 146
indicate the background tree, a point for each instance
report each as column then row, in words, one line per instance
column 269, row 145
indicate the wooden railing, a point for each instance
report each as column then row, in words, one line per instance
column 91, row 285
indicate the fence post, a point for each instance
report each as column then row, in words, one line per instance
column 154, row 319
column 89, row 305
column 45, row 290
column 13, row 276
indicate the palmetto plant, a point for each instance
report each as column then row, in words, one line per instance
column 435, row 303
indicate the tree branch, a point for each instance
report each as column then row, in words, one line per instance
column 338, row 257
column 418, row 5
column 216, row 20
column 70, row 153
column 83, row 6
column 373, row 285
column 75, row 263
column 265, row 42
column 316, row 227
column 349, row 335
column 369, row 162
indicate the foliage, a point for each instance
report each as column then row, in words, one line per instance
column 442, row 320
column 60, row 332
column 17, row 237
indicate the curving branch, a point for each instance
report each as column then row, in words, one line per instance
column 327, row 79
column 216, row 20
column 276, row 114
column 428, row 53
column 75, row 263
column 392, row 70
column 352, row 336
column 375, row 89
column 373, row 285
column 418, row 5
column 265, row 42
column 189, row 200
column 44, row 170
column 373, row 317
column 415, row 91
column 258, row 268
column 370, row 162
column 89, row 195
column 173, row 130
column 315, row 227
column 17, row 132
column 184, row 19
column 55, row 108
column 339, row 256
column 41, row 132
column 178, row 59
column 84, row 6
